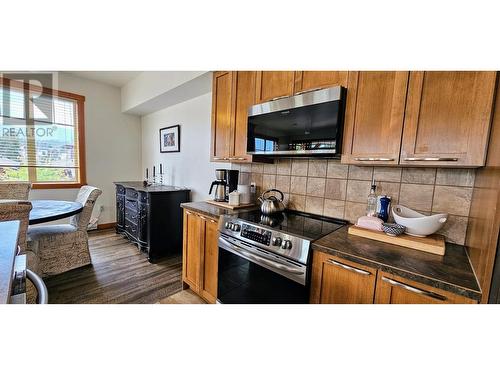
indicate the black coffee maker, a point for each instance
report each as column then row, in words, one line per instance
column 226, row 182
column 232, row 181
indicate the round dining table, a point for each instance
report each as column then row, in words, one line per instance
column 50, row 210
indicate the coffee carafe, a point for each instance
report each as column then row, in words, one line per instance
column 220, row 190
column 220, row 185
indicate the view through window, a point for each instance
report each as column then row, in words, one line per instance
column 39, row 135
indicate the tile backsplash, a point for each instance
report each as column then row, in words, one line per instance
column 329, row 188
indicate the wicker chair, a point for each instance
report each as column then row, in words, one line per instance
column 15, row 190
column 63, row 247
column 20, row 210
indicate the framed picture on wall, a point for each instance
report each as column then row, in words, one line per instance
column 170, row 139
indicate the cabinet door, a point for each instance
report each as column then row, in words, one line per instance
column 210, row 257
column 274, row 84
column 191, row 252
column 392, row 289
column 311, row 80
column 244, row 87
column 447, row 118
column 222, row 116
column 336, row 280
column 374, row 117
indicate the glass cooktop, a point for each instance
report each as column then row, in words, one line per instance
column 302, row 224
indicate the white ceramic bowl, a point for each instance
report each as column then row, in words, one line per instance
column 417, row 224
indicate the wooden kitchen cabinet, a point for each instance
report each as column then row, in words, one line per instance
column 191, row 250
column 209, row 261
column 312, row 80
column 200, row 255
column 374, row 117
column 244, row 89
column 447, row 118
column 222, row 116
column 392, row 289
column 274, row 84
column 336, row 280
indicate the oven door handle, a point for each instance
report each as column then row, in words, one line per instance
column 259, row 259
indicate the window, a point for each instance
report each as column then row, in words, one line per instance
column 265, row 144
column 41, row 136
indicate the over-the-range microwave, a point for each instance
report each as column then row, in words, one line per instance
column 308, row 124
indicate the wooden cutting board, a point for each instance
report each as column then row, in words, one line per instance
column 229, row 207
column 433, row 244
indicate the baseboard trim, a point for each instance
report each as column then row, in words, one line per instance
column 106, row 226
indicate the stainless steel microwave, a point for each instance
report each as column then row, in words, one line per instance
column 307, row 124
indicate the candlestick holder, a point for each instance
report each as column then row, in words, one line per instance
column 161, row 178
column 154, row 180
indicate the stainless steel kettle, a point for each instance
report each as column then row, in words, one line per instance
column 271, row 205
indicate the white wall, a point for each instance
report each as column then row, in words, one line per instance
column 191, row 167
column 112, row 140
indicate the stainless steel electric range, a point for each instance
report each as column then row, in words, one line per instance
column 267, row 259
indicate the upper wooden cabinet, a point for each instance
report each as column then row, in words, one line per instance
column 392, row 289
column 418, row 119
column 447, row 118
column 374, row 117
column 222, row 115
column 312, row 80
column 336, row 280
column 244, row 87
column 274, row 84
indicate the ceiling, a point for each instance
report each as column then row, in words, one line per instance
column 113, row 78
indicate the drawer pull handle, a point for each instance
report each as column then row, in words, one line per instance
column 349, row 268
column 217, row 158
column 413, row 289
column 374, row 159
column 431, row 159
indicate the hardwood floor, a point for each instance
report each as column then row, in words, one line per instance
column 119, row 273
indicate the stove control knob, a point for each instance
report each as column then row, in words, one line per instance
column 236, row 227
column 287, row 245
column 227, row 225
column 276, row 241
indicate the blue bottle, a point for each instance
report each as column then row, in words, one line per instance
column 385, row 202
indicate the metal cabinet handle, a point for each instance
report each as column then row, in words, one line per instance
column 306, row 91
column 413, row 289
column 279, row 97
column 374, row 159
column 430, row 159
column 345, row 266
column 237, row 158
column 41, row 288
column 217, row 158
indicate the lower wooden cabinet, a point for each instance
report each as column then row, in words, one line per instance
column 200, row 255
column 335, row 280
column 392, row 289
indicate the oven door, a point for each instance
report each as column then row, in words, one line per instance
column 247, row 274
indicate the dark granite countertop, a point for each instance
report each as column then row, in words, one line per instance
column 211, row 210
column 451, row 272
column 138, row 185
column 8, row 249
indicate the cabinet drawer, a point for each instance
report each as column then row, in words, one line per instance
column 131, row 194
column 131, row 228
column 131, row 205
column 143, row 197
column 132, row 216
